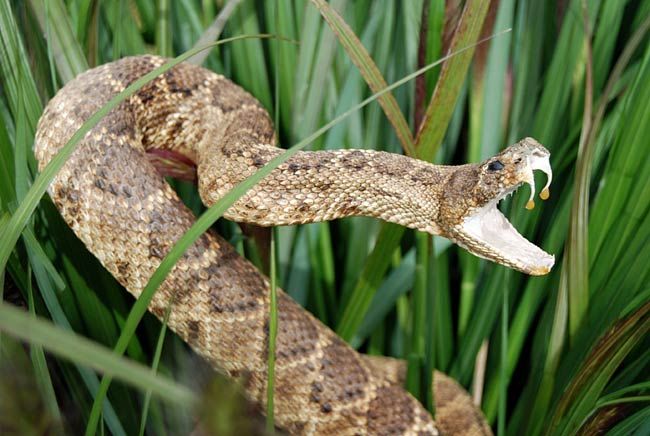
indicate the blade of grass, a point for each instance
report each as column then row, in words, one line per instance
column 369, row 280
column 582, row 394
column 213, row 32
column 154, row 369
column 452, row 76
column 65, row 49
column 71, row 346
column 503, row 358
column 284, row 57
column 576, row 252
column 163, row 31
column 12, row 53
column 359, row 55
column 38, row 361
column 396, row 284
column 313, row 69
column 273, row 332
column 302, row 88
column 419, row 322
column 273, row 303
column 249, row 68
column 636, row 423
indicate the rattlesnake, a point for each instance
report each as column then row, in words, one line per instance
column 122, row 209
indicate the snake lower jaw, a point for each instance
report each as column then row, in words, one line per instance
column 487, row 233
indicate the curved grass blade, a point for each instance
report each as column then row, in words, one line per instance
column 577, row 251
column 273, row 332
column 38, row 361
column 13, row 60
column 371, row 74
column 212, row 33
column 441, row 107
column 154, row 369
column 62, row 45
column 82, row 351
column 163, row 31
column 582, row 394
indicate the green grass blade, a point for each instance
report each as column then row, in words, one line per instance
column 576, row 251
column 397, row 283
column 163, row 31
column 581, row 395
column 452, row 76
column 315, row 59
column 369, row 280
column 273, row 332
column 40, row 365
column 369, row 71
column 73, row 347
column 154, row 370
column 13, row 61
column 637, row 423
column 65, row 49
column 249, row 69
column 213, row 32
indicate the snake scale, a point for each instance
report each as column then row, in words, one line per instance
column 117, row 203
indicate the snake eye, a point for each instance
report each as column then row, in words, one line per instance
column 495, row 165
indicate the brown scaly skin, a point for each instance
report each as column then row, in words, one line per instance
column 119, row 206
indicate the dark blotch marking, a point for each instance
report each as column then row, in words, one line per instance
column 259, row 162
column 176, row 128
column 381, row 192
column 100, row 184
column 390, row 403
column 146, row 97
column 121, row 126
column 156, row 249
column 425, row 176
column 194, row 329
column 213, row 270
column 171, row 77
column 127, row 191
column 353, row 160
column 122, row 267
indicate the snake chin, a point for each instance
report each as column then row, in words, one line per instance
column 490, row 229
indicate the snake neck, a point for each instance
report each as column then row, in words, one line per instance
column 326, row 185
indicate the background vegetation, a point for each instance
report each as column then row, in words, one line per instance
column 559, row 354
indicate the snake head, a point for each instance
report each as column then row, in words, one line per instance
column 475, row 223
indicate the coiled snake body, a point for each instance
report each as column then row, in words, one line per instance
column 122, row 209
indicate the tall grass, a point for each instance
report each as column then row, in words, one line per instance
column 565, row 352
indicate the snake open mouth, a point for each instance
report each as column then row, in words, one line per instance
column 491, row 230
